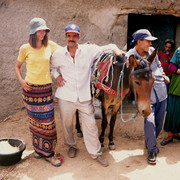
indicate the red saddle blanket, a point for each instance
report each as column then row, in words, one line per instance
column 101, row 70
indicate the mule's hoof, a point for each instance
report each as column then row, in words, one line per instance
column 102, row 145
column 112, row 146
column 102, row 148
column 80, row 134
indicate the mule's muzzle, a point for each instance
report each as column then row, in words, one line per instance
column 144, row 110
column 145, row 113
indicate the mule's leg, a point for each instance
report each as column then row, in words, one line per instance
column 104, row 124
column 111, row 132
column 112, row 124
column 78, row 127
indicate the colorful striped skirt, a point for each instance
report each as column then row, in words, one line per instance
column 40, row 109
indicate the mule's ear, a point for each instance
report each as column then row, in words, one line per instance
column 133, row 61
column 153, row 55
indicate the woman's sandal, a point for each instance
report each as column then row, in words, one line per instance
column 168, row 140
column 37, row 156
column 54, row 161
column 59, row 156
column 176, row 136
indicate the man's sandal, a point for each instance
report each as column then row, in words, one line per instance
column 152, row 158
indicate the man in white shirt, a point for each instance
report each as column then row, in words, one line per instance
column 74, row 62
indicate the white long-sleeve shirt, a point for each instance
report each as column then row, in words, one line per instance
column 76, row 74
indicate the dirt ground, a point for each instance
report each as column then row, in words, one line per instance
column 127, row 162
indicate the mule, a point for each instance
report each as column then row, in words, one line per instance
column 137, row 76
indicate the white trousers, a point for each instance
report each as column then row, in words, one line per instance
column 67, row 111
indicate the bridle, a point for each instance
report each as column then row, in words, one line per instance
column 141, row 70
column 120, row 83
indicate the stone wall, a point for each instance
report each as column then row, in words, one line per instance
column 101, row 22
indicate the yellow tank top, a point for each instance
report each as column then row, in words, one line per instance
column 37, row 62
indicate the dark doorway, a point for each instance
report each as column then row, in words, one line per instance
column 161, row 26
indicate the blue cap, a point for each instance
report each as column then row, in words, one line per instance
column 143, row 34
column 72, row 28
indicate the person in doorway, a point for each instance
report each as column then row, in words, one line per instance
column 166, row 55
column 37, row 90
column 172, row 121
column 153, row 123
column 74, row 62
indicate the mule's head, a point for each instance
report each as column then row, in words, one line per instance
column 142, row 81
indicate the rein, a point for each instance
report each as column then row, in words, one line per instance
column 141, row 70
column 120, row 82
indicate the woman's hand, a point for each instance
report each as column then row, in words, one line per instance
column 166, row 79
column 25, row 85
column 60, row 81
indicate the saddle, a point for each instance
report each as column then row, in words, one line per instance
column 101, row 73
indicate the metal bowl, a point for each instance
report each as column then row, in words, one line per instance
column 13, row 158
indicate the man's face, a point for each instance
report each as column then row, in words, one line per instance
column 167, row 47
column 144, row 44
column 72, row 39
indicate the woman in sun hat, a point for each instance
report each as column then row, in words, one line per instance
column 37, row 90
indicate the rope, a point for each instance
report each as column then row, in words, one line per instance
column 120, row 81
column 14, row 166
column 110, row 65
